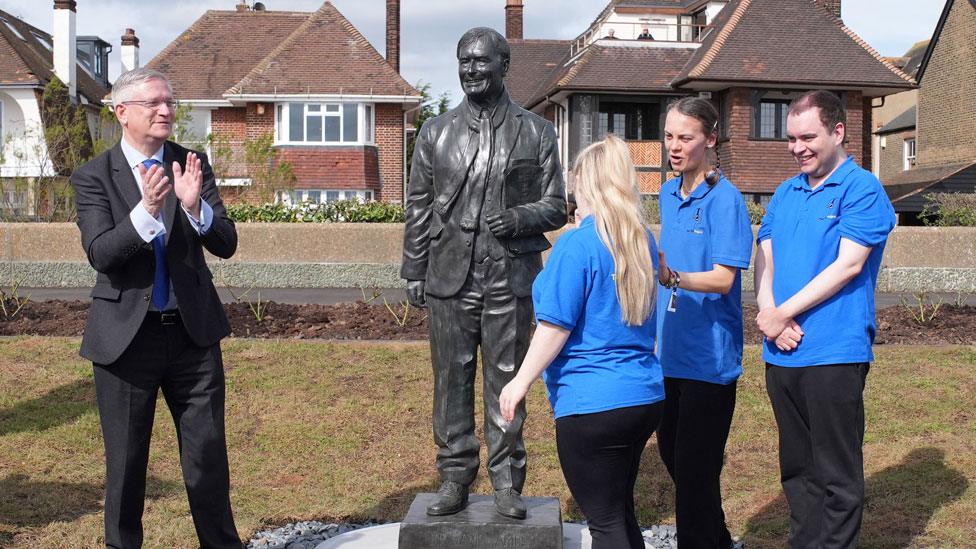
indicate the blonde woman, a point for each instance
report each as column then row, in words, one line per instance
column 594, row 302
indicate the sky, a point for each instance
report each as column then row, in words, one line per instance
column 430, row 28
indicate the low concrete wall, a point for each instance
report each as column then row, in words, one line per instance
column 348, row 255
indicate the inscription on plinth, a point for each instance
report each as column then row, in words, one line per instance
column 479, row 526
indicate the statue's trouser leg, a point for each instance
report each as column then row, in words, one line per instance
column 454, row 335
column 506, row 324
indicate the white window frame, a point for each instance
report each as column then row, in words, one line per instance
column 325, row 196
column 365, row 123
column 910, row 153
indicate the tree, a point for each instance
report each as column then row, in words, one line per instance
column 429, row 108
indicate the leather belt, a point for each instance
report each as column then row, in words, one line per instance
column 164, row 318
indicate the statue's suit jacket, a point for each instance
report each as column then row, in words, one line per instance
column 436, row 248
column 105, row 193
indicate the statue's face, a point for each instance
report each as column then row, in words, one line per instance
column 481, row 69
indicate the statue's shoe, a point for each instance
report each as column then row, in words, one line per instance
column 451, row 498
column 508, row 502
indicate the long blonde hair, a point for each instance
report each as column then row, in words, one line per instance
column 607, row 182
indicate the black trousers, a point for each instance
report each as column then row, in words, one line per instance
column 600, row 455
column 691, row 439
column 820, row 414
column 192, row 381
column 486, row 314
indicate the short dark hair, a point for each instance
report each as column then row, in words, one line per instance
column 493, row 37
column 832, row 111
column 701, row 110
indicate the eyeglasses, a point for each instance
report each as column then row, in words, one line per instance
column 154, row 105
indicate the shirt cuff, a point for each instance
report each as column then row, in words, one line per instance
column 202, row 225
column 146, row 225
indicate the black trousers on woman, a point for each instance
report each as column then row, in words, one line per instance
column 691, row 438
column 600, row 454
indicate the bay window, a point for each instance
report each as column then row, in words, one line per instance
column 324, row 123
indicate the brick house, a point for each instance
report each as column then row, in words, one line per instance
column 29, row 59
column 336, row 108
column 889, row 116
column 751, row 57
column 940, row 129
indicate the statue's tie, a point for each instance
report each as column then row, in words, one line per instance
column 160, row 291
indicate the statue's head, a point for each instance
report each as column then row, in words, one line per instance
column 483, row 58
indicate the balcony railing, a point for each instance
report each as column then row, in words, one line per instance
column 663, row 33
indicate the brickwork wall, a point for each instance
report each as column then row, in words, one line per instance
column 759, row 166
column 893, row 154
column 229, row 129
column 333, row 167
column 389, row 141
column 947, row 98
column 379, row 168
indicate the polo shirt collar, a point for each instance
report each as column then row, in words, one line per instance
column 700, row 191
column 836, row 178
column 134, row 157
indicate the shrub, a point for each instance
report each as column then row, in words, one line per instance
column 756, row 212
column 652, row 209
column 949, row 210
column 348, row 211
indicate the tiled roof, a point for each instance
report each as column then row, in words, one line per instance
column 268, row 52
column 625, row 66
column 903, row 121
column 611, row 66
column 29, row 61
column 533, row 64
column 915, row 54
column 914, row 181
column 757, row 41
column 220, row 48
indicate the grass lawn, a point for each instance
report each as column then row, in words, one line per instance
column 342, row 431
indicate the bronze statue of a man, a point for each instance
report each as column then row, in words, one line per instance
column 484, row 186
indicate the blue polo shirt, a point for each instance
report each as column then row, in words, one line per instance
column 805, row 226
column 702, row 338
column 604, row 364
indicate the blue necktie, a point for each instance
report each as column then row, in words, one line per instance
column 160, row 291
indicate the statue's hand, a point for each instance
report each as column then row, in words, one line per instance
column 503, row 224
column 415, row 293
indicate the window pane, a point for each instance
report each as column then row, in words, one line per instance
column 315, row 196
column 314, row 127
column 332, row 108
column 369, row 124
column 314, row 108
column 331, row 196
column 296, row 118
column 332, row 128
column 350, row 122
column 604, row 125
column 784, row 111
column 767, row 120
column 281, row 122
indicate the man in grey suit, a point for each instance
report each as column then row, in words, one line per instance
column 485, row 184
column 146, row 209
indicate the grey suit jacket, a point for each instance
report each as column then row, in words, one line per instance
column 436, row 248
column 105, row 193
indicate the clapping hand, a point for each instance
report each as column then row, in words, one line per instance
column 155, row 187
column 187, row 183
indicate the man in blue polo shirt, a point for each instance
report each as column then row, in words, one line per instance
column 820, row 248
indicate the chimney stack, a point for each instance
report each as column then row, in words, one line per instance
column 65, row 45
column 833, row 6
column 130, row 51
column 393, row 34
column 513, row 20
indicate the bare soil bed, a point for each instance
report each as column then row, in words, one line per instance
column 952, row 324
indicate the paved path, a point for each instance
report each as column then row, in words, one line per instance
column 331, row 296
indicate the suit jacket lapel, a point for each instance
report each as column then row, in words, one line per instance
column 170, row 203
column 122, row 178
column 505, row 146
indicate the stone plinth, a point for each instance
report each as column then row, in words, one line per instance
column 479, row 526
